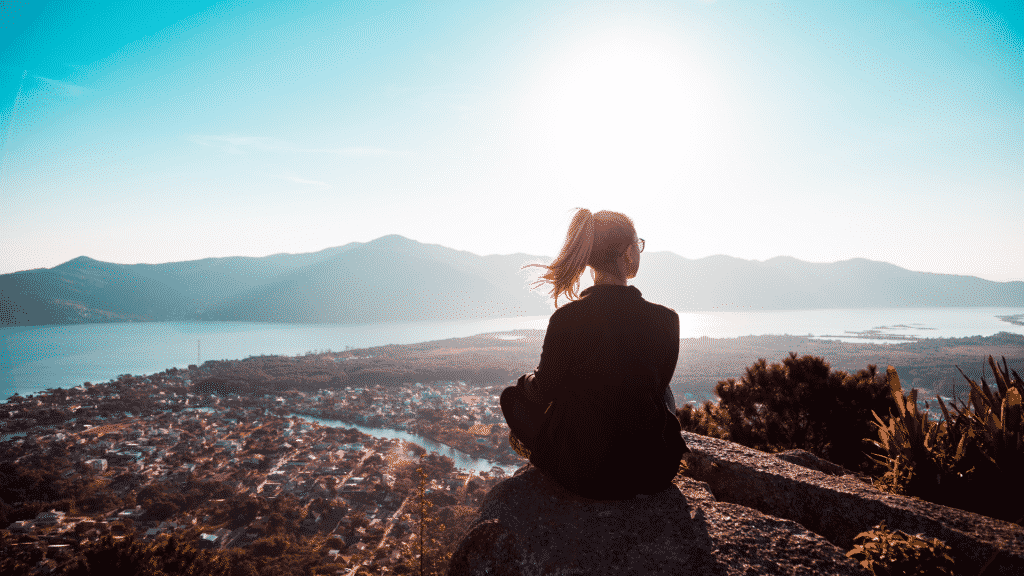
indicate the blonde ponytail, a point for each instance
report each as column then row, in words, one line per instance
column 594, row 240
column 564, row 273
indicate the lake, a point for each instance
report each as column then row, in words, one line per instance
column 34, row 358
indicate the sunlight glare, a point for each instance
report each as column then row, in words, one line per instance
column 625, row 108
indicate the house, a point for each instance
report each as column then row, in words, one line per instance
column 96, row 465
column 228, row 446
column 253, row 462
column 133, row 513
column 123, row 457
column 49, row 518
column 353, row 484
column 311, row 520
column 207, row 541
column 23, row 526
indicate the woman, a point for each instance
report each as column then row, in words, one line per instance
column 600, row 422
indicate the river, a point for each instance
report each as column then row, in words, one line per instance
column 462, row 460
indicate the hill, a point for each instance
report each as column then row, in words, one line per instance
column 395, row 279
column 391, row 278
column 783, row 283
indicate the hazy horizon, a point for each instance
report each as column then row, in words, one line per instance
column 160, row 132
column 584, row 280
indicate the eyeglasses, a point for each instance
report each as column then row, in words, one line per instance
column 640, row 243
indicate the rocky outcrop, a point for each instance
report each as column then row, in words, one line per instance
column 735, row 511
column 838, row 506
column 808, row 460
column 528, row 524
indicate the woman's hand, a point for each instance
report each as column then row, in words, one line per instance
column 528, row 383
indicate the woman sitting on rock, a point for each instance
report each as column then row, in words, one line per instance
column 597, row 414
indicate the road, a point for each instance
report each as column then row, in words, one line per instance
column 391, row 522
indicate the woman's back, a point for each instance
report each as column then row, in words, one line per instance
column 607, row 360
column 610, row 331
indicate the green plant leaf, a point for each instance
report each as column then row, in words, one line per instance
column 962, row 446
column 893, row 379
column 1011, row 417
column 945, row 413
column 1002, row 378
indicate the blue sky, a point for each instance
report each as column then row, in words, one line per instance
column 159, row 131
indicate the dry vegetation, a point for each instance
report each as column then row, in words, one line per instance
column 929, row 364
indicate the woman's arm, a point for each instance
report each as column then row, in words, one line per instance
column 556, row 358
column 668, row 366
column 670, row 400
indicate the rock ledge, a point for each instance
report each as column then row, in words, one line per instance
column 839, row 506
column 528, row 524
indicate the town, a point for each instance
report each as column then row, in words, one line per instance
column 150, row 457
column 259, row 462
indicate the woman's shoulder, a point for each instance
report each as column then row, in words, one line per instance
column 665, row 317
column 662, row 312
column 569, row 312
column 594, row 304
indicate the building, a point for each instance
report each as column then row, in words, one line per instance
column 96, row 465
column 50, row 518
column 133, row 513
column 23, row 526
column 207, row 541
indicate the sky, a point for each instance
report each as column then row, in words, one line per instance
column 154, row 131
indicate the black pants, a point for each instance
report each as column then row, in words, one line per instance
column 524, row 418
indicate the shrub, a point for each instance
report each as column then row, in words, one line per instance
column 887, row 552
column 706, row 420
column 995, row 419
column 797, row 403
column 910, row 442
column 970, row 459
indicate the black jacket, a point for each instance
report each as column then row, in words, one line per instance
column 606, row 363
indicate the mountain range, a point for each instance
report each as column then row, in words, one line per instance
column 395, row 279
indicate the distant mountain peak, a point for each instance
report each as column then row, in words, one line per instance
column 81, row 260
column 392, row 241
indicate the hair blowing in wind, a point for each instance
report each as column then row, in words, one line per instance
column 592, row 239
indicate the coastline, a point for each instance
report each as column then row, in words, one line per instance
column 494, row 360
column 703, row 361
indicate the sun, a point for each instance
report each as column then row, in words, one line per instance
column 622, row 107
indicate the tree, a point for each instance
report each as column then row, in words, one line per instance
column 129, row 556
column 426, row 553
column 797, row 403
